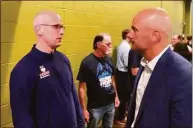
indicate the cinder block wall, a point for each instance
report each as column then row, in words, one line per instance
column 83, row 20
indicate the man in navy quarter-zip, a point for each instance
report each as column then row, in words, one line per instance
column 42, row 93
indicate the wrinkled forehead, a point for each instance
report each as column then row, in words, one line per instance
column 138, row 17
column 52, row 19
column 137, row 22
column 47, row 18
column 156, row 19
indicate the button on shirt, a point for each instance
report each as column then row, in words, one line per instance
column 122, row 56
column 144, row 79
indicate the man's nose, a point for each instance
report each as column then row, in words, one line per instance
column 131, row 34
column 62, row 31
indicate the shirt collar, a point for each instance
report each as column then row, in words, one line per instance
column 152, row 63
column 40, row 54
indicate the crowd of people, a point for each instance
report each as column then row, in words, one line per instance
column 150, row 86
column 182, row 45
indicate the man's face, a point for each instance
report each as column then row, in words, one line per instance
column 129, row 37
column 140, row 36
column 175, row 40
column 106, row 45
column 53, row 31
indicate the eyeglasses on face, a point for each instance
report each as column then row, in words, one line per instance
column 55, row 26
column 108, row 44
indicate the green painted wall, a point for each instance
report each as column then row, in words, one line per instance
column 175, row 10
column 191, row 10
column 188, row 17
column 83, row 20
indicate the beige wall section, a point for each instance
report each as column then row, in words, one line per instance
column 175, row 10
column 187, row 18
column 83, row 20
column 191, row 13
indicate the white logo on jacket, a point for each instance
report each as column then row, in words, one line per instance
column 44, row 73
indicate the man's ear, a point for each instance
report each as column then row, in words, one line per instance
column 98, row 44
column 38, row 30
column 156, row 36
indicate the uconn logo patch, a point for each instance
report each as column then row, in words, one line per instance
column 43, row 72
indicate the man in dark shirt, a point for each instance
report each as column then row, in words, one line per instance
column 133, row 65
column 42, row 93
column 121, row 77
column 97, row 74
column 182, row 49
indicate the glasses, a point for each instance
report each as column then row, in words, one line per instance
column 57, row 27
column 108, row 44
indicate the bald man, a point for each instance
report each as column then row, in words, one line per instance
column 162, row 94
column 42, row 93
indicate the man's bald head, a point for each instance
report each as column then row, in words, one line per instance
column 154, row 18
column 46, row 17
column 48, row 28
column 151, row 27
column 150, row 30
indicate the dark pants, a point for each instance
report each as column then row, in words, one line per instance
column 106, row 114
column 124, row 90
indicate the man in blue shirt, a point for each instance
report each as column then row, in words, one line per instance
column 42, row 93
column 122, row 76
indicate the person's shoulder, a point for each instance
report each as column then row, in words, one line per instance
column 25, row 61
column 124, row 45
column 180, row 66
column 88, row 59
column 26, row 65
column 179, row 60
column 63, row 56
column 178, row 72
column 180, row 47
column 109, row 58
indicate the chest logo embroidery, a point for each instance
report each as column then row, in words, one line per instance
column 43, row 72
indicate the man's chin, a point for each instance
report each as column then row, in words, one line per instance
column 57, row 45
column 134, row 46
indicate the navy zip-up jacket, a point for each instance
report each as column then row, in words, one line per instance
column 42, row 92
